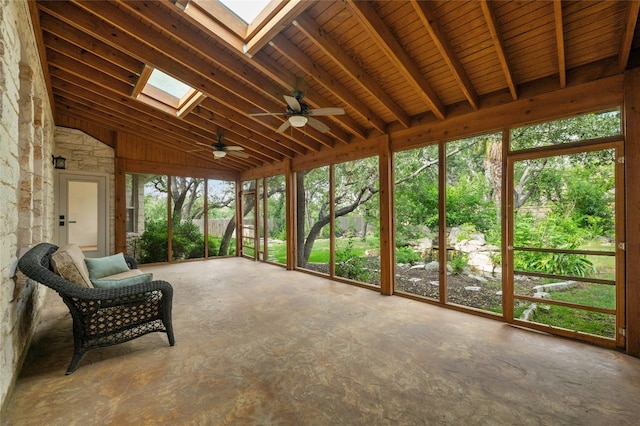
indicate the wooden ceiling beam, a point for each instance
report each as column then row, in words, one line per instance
column 234, row 64
column 279, row 22
column 155, row 14
column 430, row 22
column 492, row 24
column 629, row 28
column 58, row 29
column 562, row 67
column 58, row 43
column 385, row 40
column 333, row 50
column 129, row 108
column 201, row 18
column 185, row 67
column 223, row 16
column 135, row 122
column 302, row 61
column 240, row 69
column 232, row 120
column 81, row 111
column 57, row 47
column 166, row 55
column 89, row 114
column 37, row 32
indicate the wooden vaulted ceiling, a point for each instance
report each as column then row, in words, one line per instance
column 392, row 65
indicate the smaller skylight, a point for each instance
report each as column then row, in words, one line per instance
column 168, row 84
column 247, row 10
column 160, row 90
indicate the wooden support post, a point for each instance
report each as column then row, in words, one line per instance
column 387, row 223
column 120, row 226
column 632, row 182
column 290, row 189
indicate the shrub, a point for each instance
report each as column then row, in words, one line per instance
column 187, row 242
column 459, row 262
column 406, row 255
column 351, row 266
column 153, row 242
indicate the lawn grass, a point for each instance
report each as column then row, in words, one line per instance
column 321, row 249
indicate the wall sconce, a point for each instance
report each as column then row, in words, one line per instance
column 59, row 162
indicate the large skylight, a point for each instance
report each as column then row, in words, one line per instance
column 247, row 10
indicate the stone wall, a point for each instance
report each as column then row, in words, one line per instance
column 26, row 183
column 88, row 155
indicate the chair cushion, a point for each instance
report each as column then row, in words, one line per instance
column 130, row 277
column 105, row 266
column 68, row 262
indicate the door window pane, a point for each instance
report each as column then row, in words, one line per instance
column 83, row 214
column 564, row 242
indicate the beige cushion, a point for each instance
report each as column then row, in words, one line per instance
column 68, row 262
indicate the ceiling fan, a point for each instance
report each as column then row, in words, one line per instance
column 220, row 150
column 299, row 114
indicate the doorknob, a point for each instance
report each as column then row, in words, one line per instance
column 71, row 221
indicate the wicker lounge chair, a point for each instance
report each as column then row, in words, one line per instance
column 103, row 317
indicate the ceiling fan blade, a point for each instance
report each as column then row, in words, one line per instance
column 318, row 125
column 239, row 154
column 293, row 103
column 283, row 127
column 233, row 148
column 326, row 111
column 260, row 114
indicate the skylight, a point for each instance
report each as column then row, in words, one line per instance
column 247, row 10
column 160, row 90
column 168, row 84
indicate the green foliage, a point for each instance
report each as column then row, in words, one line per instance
column 153, row 242
column 187, row 242
column 459, row 262
column 553, row 231
column 406, row 255
column 467, row 204
column 571, row 129
column 588, row 190
column 350, row 265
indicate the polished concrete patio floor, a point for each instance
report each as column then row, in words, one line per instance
column 259, row 345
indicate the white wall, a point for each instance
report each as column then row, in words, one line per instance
column 26, row 183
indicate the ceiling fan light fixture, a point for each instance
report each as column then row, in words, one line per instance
column 298, row 120
column 219, row 154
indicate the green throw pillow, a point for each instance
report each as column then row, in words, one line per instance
column 105, row 266
column 135, row 276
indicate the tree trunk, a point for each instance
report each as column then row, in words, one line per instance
column 300, row 219
column 226, row 238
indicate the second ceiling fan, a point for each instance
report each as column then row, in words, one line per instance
column 299, row 114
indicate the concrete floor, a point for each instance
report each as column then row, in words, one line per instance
column 258, row 345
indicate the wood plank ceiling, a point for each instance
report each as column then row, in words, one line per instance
column 389, row 64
